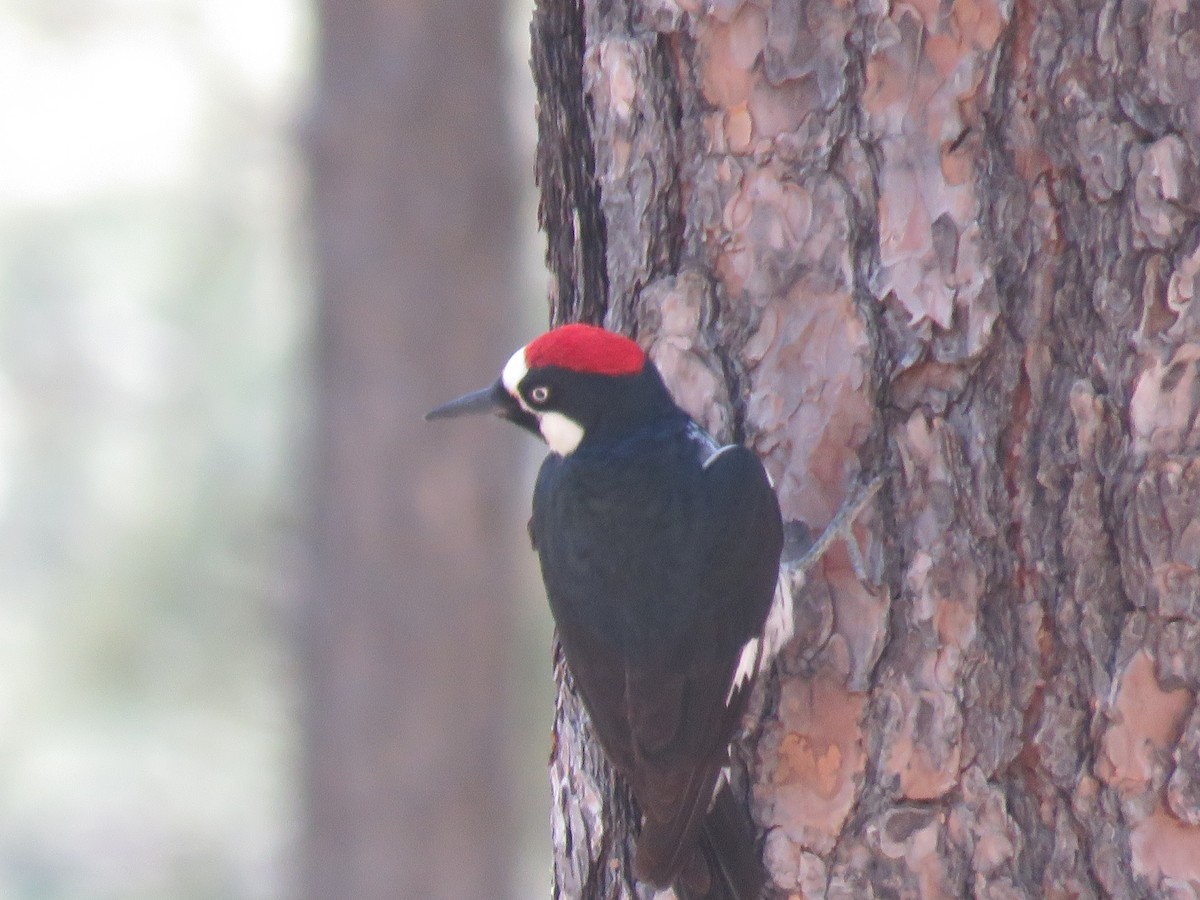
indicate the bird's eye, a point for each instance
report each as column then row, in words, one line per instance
column 540, row 394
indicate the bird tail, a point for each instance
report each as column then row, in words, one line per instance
column 726, row 864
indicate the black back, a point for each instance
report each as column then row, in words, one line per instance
column 660, row 560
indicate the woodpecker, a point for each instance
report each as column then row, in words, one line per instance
column 660, row 553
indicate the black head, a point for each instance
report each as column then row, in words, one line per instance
column 572, row 382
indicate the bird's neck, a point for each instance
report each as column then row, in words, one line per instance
column 627, row 438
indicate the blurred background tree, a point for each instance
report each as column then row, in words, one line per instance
column 156, row 337
column 409, row 622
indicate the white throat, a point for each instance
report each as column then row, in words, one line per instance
column 562, row 433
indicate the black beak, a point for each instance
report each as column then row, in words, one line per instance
column 494, row 399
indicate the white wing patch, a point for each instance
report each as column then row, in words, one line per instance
column 712, row 459
column 759, row 652
column 747, row 667
column 723, row 778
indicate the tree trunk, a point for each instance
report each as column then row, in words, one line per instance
column 407, row 620
column 956, row 243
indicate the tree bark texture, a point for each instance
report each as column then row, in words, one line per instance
column 957, row 243
column 406, row 622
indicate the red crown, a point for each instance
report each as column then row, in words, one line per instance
column 585, row 348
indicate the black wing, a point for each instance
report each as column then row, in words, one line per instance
column 682, row 727
column 655, row 601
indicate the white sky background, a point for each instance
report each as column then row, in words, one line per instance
column 151, row 311
column 115, row 96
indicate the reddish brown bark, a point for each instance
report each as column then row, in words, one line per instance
column 956, row 243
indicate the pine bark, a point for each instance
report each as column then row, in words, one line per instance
column 407, row 619
column 958, row 244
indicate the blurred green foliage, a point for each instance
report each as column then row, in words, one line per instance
column 152, row 312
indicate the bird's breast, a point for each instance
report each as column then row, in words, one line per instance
column 617, row 545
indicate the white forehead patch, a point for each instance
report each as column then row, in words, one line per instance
column 514, row 372
column 563, row 434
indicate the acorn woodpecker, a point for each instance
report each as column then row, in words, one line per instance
column 660, row 554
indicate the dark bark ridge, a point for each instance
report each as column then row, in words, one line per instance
column 569, row 205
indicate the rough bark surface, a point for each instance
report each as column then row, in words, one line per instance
column 405, row 628
column 957, row 242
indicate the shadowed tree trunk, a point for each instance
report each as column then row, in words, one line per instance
column 956, row 243
column 406, row 623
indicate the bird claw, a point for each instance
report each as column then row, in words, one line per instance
column 838, row 527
